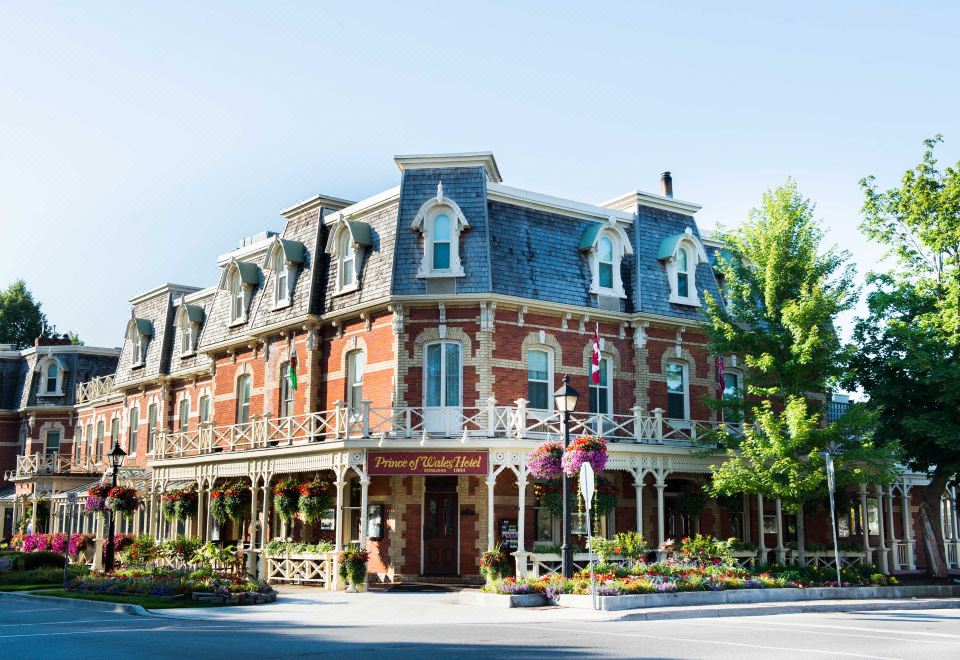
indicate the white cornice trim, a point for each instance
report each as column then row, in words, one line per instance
column 163, row 288
column 69, row 348
column 202, row 294
column 313, row 202
column 466, row 159
column 636, row 198
column 247, row 252
column 365, row 206
column 500, row 193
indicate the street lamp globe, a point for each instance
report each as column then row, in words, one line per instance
column 116, row 455
column 566, row 397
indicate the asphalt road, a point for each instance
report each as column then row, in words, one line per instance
column 30, row 630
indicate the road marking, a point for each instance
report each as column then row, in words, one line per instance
column 863, row 629
column 699, row 641
column 834, row 634
column 52, row 623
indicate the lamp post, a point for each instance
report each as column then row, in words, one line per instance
column 566, row 400
column 116, row 460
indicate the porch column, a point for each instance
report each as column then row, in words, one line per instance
column 781, row 549
column 660, row 485
column 746, row 519
column 491, row 483
column 364, row 488
column 953, row 509
column 338, row 524
column 638, row 488
column 264, row 534
column 33, row 512
column 881, row 523
column 521, row 514
column 252, row 528
column 208, row 519
column 907, row 524
column 865, row 527
column 763, row 537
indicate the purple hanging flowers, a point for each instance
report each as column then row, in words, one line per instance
column 585, row 449
column 544, row 462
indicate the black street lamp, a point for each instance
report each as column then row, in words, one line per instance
column 566, row 400
column 116, row 460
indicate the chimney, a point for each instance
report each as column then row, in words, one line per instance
column 666, row 184
column 55, row 340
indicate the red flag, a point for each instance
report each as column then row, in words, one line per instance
column 595, row 363
column 721, row 376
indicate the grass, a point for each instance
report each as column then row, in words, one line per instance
column 28, row 587
column 148, row 602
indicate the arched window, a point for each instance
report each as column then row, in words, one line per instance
column 89, row 436
column 678, row 404
column 441, row 222
column 186, row 338
column 243, row 400
column 683, row 274
column 345, row 244
column 441, row 242
column 139, row 332
column 51, row 441
column 115, row 430
column 53, row 377
column 237, row 297
column 139, row 346
column 98, row 450
column 681, row 255
column 77, row 441
column 204, row 409
column 356, row 362
column 605, row 257
column 606, row 246
column 346, row 260
column 151, row 426
column 443, row 374
column 133, row 429
column 184, row 414
column 281, row 278
column 287, row 393
column 539, row 381
column 601, row 394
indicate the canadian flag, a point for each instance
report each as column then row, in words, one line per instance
column 595, row 363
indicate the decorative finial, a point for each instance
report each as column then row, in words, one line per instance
column 439, row 190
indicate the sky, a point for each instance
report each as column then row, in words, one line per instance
column 139, row 141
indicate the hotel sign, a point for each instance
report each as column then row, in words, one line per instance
column 441, row 463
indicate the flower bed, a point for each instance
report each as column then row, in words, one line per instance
column 202, row 584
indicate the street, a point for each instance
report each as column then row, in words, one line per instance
column 313, row 628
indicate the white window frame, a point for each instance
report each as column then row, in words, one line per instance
column 424, row 223
column 622, row 247
column 550, row 376
column 238, row 297
column 115, row 423
column 287, row 398
column 346, row 261
column 696, row 255
column 43, row 368
column 183, row 421
column 241, row 405
column 685, row 373
column 77, row 441
column 101, row 431
column 133, row 429
column 281, row 279
column 609, row 386
column 56, row 428
column 355, row 400
column 153, row 411
column 205, row 401
column 139, row 344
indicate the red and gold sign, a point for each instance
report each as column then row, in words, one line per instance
column 446, row 463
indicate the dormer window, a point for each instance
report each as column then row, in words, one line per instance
column 681, row 254
column 285, row 259
column 345, row 245
column 441, row 222
column 51, row 372
column 606, row 245
column 241, row 279
column 139, row 332
column 281, row 282
column 189, row 318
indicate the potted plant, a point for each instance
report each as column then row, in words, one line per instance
column 121, row 499
column 315, row 498
column 227, row 503
column 494, row 564
column 545, row 462
column 96, row 498
column 353, row 568
column 179, row 503
column 585, row 449
column 286, row 498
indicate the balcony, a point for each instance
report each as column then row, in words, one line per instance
column 49, row 464
column 95, row 390
column 385, row 425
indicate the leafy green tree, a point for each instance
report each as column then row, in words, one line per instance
column 21, row 320
column 909, row 343
column 783, row 294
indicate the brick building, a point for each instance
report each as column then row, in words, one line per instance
column 428, row 326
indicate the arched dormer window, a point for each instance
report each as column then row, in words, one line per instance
column 241, row 280
column 139, row 332
column 51, row 371
column 189, row 318
column 441, row 222
column 285, row 259
column 681, row 255
column 345, row 244
column 606, row 245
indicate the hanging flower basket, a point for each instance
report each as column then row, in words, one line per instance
column 315, row 498
column 605, row 496
column 545, row 462
column 286, row 498
column 229, row 502
column 123, row 500
column 179, row 503
column 96, row 498
column 585, row 449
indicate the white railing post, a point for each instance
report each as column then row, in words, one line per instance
column 365, row 421
column 491, row 416
column 658, row 425
column 520, row 423
column 637, row 423
column 339, row 408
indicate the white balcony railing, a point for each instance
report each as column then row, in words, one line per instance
column 517, row 422
column 95, row 389
column 53, row 463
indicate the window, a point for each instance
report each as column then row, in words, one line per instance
column 281, row 281
column 243, row 400
column 286, row 392
column 677, row 391
column 52, row 442
column 204, row 407
column 356, row 362
column 138, row 348
column 22, row 441
column 601, row 396
column 133, row 430
column 539, row 387
column 605, row 257
column 77, row 441
column 606, row 245
column 151, row 426
column 346, row 256
column 443, row 375
column 683, row 274
column 184, row 414
column 237, row 297
column 53, row 377
column 441, row 222
column 98, row 451
column 186, row 338
column 89, row 441
column 114, row 430
column 731, row 395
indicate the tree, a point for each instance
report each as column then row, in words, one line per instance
column 909, row 343
column 21, row 320
column 783, row 294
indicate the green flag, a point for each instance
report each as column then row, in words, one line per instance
column 293, row 369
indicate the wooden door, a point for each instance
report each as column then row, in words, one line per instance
column 440, row 533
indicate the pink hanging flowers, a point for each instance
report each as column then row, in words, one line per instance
column 585, row 449
column 544, row 462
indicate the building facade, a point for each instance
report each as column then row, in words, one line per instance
column 427, row 327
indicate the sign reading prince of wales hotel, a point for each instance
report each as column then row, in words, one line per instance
column 405, row 348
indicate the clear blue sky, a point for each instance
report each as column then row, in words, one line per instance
column 138, row 141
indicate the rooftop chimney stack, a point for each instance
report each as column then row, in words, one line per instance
column 666, row 184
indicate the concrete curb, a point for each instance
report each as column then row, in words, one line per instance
column 116, row 608
column 770, row 609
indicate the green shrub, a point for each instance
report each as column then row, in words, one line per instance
column 42, row 559
column 42, row 576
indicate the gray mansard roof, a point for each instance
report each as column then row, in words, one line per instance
column 21, row 374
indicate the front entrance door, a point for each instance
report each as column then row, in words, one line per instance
column 440, row 519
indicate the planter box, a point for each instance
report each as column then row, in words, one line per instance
column 501, row 600
column 246, row 598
